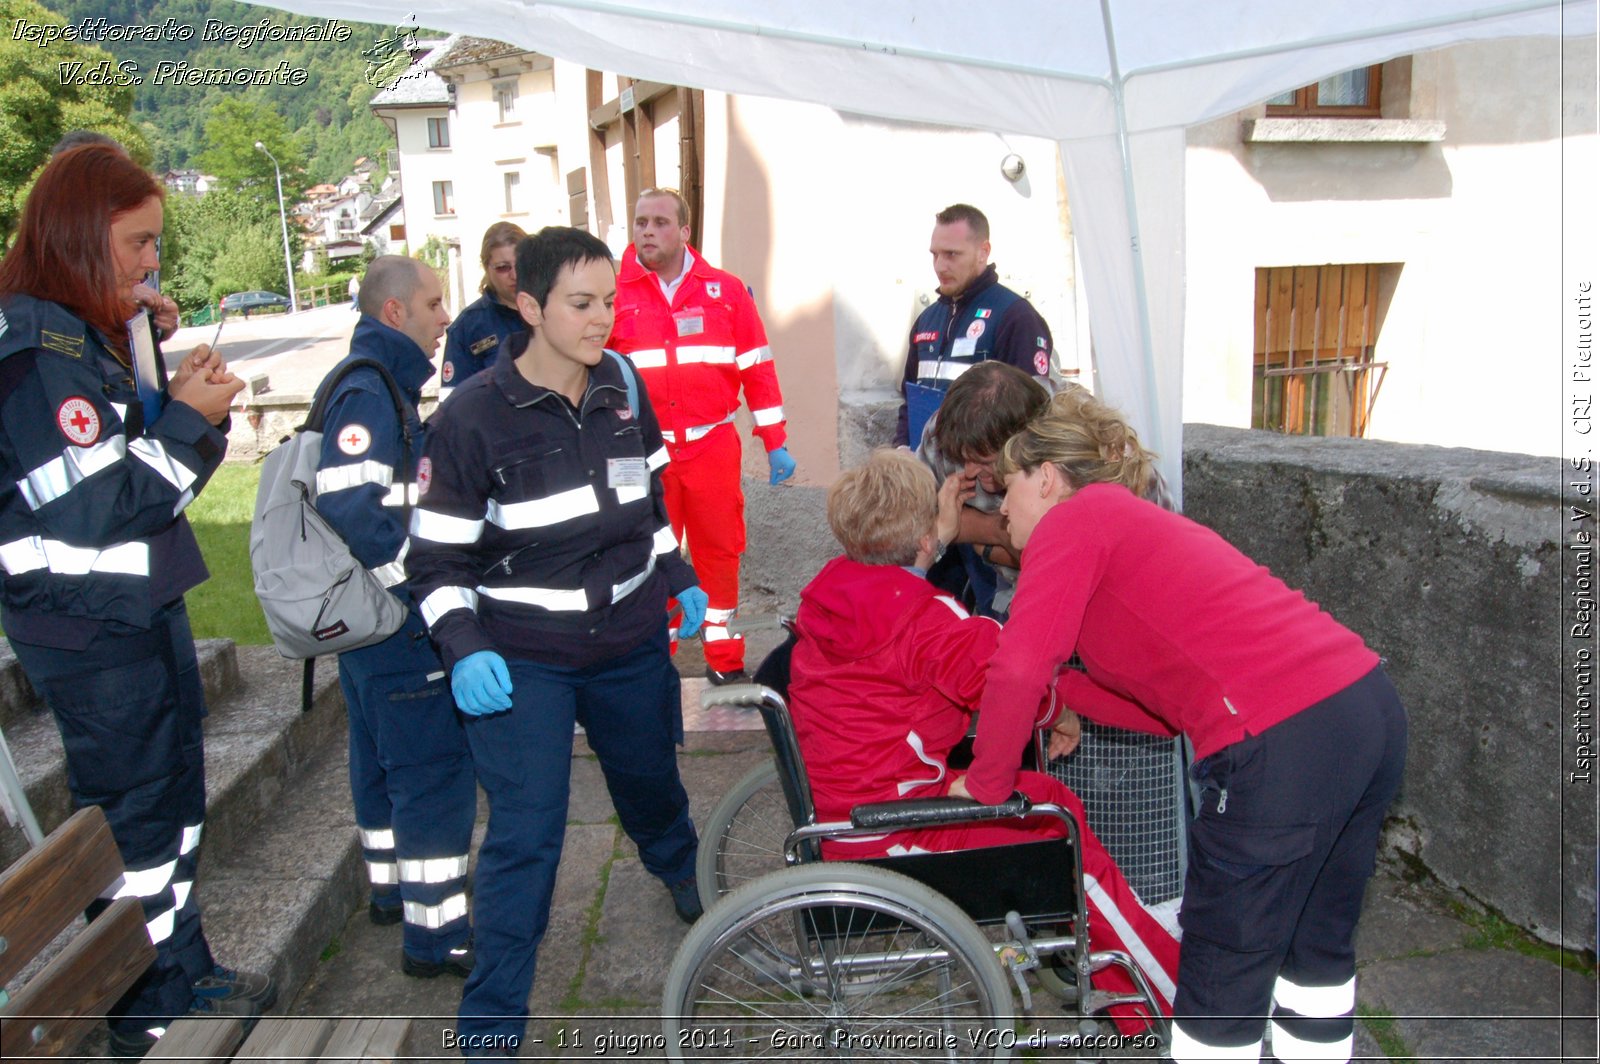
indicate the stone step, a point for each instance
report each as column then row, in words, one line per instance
column 255, row 736
column 219, row 670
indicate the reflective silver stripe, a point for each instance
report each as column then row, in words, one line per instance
column 658, row 459
column 182, row 890
column 1321, row 1002
column 632, row 493
column 550, row 510
column 442, row 528
column 1186, row 1047
column 434, row 917
column 441, row 602
column 433, row 869
column 941, row 370
column 27, row 555
column 718, row 616
column 754, row 356
column 341, row 477
column 556, row 600
column 377, row 838
column 390, row 574
column 665, row 541
column 716, row 633
column 146, row 883
column 696, row 432
column 154, row 454
column 633, row 583
column 400, row 495
column 122, row 411
column 61, row 474
column 183, row 502
column 649, row 358
column 190, row 839
column 160, row 928
column 770, row 415
column 1290, row 1049
column 382, row 873
column 706, row 354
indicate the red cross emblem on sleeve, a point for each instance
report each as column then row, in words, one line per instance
column 78, row 420
column 355, row 439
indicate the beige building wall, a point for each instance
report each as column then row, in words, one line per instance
column 1472, row 333
column 420, row 167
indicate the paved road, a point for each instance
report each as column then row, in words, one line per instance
column 292, row 350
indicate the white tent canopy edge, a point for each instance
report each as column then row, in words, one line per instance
column 1115, row 82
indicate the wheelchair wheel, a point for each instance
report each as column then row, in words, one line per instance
column 837, row 960
column 742, row 839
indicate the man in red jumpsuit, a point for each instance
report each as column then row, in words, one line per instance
column 693, row 333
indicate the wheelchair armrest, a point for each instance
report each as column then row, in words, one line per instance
column 930, row 812
column 735, row 694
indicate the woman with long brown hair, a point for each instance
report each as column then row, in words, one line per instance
column 95, row 554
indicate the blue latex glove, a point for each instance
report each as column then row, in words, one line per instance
column 694, row 603
column 481, row 684
column 782, row 464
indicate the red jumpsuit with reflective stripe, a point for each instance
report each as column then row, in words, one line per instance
column 694, row 355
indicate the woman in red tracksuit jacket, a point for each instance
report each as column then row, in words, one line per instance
column 884, row 672
column 1299, row 737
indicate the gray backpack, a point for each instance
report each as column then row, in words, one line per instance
column 317, row 597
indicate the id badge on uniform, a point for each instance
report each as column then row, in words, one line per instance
column 964, row 347
column 627, row 473
column 690, row 322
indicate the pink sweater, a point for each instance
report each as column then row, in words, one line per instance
column 1179, row 631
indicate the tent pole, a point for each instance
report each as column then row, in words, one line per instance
column 1150, row 421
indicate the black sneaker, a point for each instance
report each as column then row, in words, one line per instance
column 458, row 961
column 686, row 899
column 226, row 985
column 718, row 679
column 131, row 1045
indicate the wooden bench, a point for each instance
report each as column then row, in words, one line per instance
column 48, row 888
column 40, row 895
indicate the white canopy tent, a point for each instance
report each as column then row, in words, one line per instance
column 1115, row 82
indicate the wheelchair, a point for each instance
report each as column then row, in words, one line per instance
column 887, row 956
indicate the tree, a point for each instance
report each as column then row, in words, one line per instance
column 45, row 92
column 232, row 129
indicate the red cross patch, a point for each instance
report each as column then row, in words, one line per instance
column 424, row 476
column 1041, row 363
column 975, row 330
column 78, row 421
column 449, row 372
column 355, row 439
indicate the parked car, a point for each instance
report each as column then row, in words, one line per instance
column 245, row 302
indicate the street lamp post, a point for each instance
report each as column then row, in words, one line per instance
column 283, row 220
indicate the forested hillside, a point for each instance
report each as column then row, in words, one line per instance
column 327, row 110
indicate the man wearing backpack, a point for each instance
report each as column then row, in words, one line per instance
column 410, row 772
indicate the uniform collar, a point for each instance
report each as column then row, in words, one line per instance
column 606, row 386
column 633, row 270
column 987, row 279
column 409, row 363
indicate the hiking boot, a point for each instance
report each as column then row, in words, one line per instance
column 718, row 679
column 225, row 985
column 458, row 961
column 130, row 1045
column 686, row 899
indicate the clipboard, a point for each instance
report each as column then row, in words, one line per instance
column 149, row 375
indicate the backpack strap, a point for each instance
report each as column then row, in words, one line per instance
column 630, row 378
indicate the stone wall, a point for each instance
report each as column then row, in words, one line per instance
column 1449, row 563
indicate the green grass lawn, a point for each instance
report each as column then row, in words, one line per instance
column 226, row 604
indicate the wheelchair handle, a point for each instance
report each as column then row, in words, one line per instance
column 736, row 694
column 929, row 812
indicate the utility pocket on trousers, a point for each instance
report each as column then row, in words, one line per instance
column 1246, row 882
column 120, row 727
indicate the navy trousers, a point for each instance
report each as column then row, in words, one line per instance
column 412, row 784
column 1280, row 854
column 631, row 711
column 129, row 707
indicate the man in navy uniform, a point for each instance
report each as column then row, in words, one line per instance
column 410, row 773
